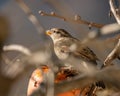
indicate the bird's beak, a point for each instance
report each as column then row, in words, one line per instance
column 48, row 32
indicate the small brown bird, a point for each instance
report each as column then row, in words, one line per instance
column 67, row 47
column 70, row 49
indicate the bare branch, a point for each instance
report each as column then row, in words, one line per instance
column 110, row 29
column 113, row 55
column 107, row 31
column 90, row 24
column 114, row 11
column 52, row 14
column 31, row 16
column 18, row 48
column 77, row 19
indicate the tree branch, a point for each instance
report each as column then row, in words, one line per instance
column 107, row 31
column 90, row 24
column 114, row 11
column 31, row 16
column 18, row 48
column 113, row 55
column 77, row 19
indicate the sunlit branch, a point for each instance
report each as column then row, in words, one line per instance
column 113, row 55
column 76, row 19
column 19, row 48
column 31, row 16
column 107, row 31
column 114, row 11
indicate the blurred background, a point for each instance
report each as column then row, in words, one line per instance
column 20, row 25
column 17, row 28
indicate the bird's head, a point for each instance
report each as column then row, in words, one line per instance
column 56, row 33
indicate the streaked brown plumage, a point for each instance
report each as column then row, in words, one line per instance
column 67, row 47
column 63, row 42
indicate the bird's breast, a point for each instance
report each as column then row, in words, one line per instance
column 61, row 55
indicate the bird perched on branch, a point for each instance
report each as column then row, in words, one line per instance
column 67, row 47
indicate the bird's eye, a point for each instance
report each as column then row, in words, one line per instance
column 54, row 31
column 57, row 32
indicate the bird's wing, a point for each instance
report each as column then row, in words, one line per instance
column 85, row 53
column 81, row 51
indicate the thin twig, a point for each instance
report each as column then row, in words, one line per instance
column 110, row 29
column 107, row 31
column 113, row 55
column 114, row 11
column 52, row 14
column 18, row 48
column 31, row 16
column 77, row 19
column 90, row 24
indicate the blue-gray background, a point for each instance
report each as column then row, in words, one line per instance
column 23, row 31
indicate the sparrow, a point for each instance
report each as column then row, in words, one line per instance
column 67, row 47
